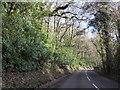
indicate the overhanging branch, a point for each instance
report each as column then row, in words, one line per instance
column 75, row 18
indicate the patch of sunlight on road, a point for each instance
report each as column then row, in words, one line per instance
column 89, row 68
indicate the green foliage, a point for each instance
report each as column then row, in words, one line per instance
column 20, row 65
column 86, row 63
column 65, row 56
column 23, row 40
column 48, row 66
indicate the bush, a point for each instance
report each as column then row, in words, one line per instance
column 23, row 43
column 18, row 64
column 65, row 56
column 23, row 65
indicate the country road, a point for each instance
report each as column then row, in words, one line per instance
column 88, row 79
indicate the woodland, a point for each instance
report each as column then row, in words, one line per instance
column 58, row 34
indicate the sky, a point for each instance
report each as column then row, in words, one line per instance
column 88, row 31
column 83, row 24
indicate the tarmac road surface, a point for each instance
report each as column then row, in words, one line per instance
column 88, row 79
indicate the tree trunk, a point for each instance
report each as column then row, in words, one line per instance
column 107, row 50
column 118, row 22
column 48, row 27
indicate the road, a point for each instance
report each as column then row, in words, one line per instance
column 88, row 79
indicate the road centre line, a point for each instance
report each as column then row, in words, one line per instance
column 92, row 83
column 96, row 86
column 86, row 72
column 88, row 78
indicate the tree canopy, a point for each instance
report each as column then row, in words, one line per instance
column 43, row 33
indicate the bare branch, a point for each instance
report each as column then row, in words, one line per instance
column 74, row 17
column 61, row 8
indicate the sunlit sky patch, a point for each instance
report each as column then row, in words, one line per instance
column 90, row 32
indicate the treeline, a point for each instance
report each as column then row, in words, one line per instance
column 49, row 34
column 108, row 42
column 27, row 44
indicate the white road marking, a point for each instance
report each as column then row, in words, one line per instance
column 96, row 86
column 87, row 75
column 88, row 78
column 86, row 72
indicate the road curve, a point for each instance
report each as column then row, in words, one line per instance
column 88, row 79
